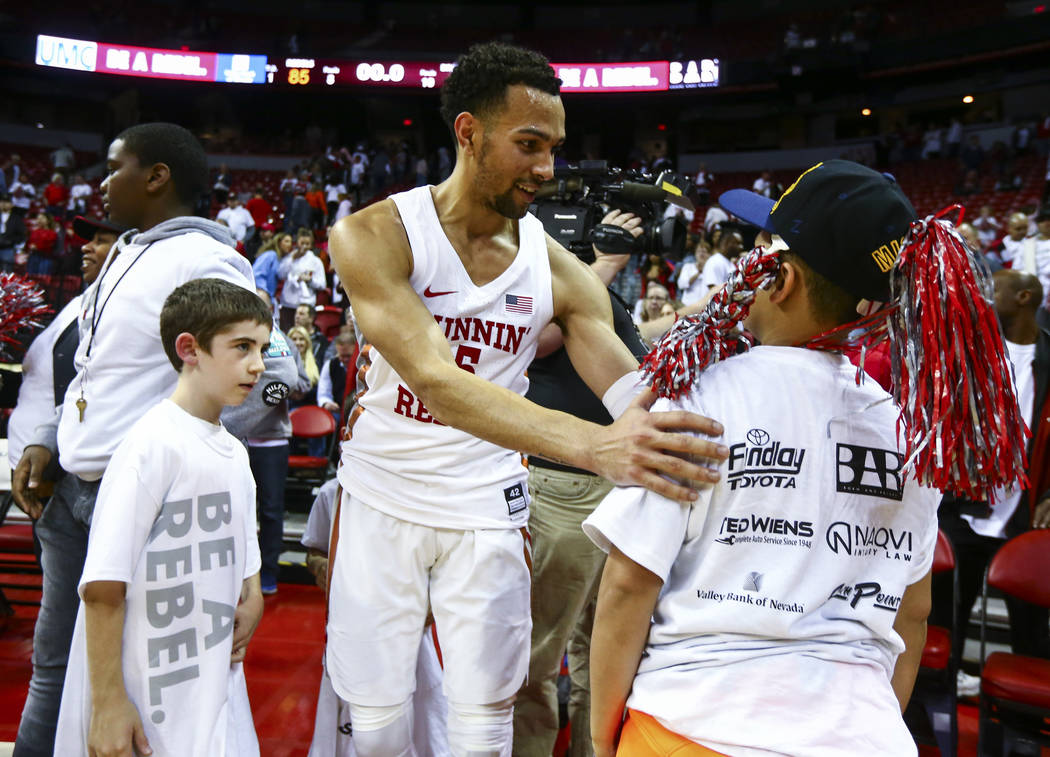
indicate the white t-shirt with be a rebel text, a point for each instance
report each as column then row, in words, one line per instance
column 175, row 522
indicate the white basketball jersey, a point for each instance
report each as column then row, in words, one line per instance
column 400, row 460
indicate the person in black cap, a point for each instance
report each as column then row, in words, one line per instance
column 48, row 365
column 785, row 610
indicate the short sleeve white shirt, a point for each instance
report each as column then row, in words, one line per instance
column 717, row 271
column 175, row 521
column 782, row 582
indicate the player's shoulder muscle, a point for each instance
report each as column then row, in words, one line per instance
column 373, row 237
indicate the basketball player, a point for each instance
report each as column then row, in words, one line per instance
column 452, row 284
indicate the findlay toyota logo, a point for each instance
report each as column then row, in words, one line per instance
column 758, row 437
column 763, row 463
column 862, row 541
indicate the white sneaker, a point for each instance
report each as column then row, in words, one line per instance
column 967, row 685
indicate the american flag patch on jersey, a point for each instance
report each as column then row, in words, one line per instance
column 517, row 303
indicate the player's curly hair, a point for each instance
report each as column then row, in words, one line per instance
column 479, row 82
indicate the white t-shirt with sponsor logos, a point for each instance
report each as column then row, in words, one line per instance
column 175, row 521
column 773, row 633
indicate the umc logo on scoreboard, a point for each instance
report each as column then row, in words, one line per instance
column 867, row 470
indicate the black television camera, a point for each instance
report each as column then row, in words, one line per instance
column 572, row 205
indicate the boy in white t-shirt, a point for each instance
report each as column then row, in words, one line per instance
column 155, row 664
column 784, row 611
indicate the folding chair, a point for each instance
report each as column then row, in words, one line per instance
column 1015, row 689
column 310, row 422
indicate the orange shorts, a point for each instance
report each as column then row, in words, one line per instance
column 643, row 736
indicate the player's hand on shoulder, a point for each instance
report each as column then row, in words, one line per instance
column 640, row 448
column 116, row 730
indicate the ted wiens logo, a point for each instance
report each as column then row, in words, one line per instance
column 854, row 593
column 861, row 541
column 868, row 470
column 759, row 529
column 762, row 462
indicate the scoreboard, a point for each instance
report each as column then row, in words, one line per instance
column 320, row 73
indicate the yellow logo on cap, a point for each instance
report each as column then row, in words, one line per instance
column 790, row 189
column 886, row 255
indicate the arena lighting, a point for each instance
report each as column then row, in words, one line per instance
column 865, row 111
column 128, row 60
column 661, row 127
column 407, row 122
column 968, row 99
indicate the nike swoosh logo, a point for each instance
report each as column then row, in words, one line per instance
column 428, row 293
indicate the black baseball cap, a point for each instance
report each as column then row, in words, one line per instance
column 85, row 228
column 844, row 219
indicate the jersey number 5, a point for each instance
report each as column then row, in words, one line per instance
column 468, row 357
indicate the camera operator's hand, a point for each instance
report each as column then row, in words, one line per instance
column 606, row 265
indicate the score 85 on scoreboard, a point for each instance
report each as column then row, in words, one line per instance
column 314, row 73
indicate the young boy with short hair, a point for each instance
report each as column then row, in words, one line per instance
column 172, row 552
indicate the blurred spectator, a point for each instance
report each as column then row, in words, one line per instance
column 652, row 303
column 763, row 184
column 287, row 189
column 267, row 260
column 345, row 208
column 931, row 142
column 714, row 217
column 1042, row 134
column 720, row 265
column 221, row 187
column 331, row 384
column 299, row 216
column 690, row 286
column 379, row 171
column 318, row 208
column 1034, row 255
column 954, row 137
column 655, row 267
column 1021, row 140
column 305, row 315
column 333, row 190
column 56, row 196
column 63, row 159
column 972, row 155
column 12, row 170
column 303, row 275
column 987, row 226
column 444, row 164
column 237, row 217
column 22, row 194
column 79, row 194
column 422, row 171
column 1003, row 163
column 12, row 233
column 703, row 181
column 42, row 245
column 969, row 234
column 1010, row 245
column 301, row 340
column 357, row 176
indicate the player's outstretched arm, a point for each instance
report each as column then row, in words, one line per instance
column 910, row 624
column 626, row 598
column 116, row 728
column 640, row 447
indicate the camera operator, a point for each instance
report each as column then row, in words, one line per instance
column 565, row 565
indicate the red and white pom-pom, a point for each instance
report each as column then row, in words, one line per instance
column 697, row 341
column 962, row 426
column 21, row 308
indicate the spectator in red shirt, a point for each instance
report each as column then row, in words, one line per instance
column 56, row 195
column 318, row 207
column 42, row 245
column 260, row 210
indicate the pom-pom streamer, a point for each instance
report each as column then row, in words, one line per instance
column 697, row 341
column 962, row 426
column 21, row 308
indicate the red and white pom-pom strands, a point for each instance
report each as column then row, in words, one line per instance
column 21, row 307
column 697, row 341
column 963, row 429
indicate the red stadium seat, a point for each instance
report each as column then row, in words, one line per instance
column 310, row 422
column 1015, row 689
column 327, row 318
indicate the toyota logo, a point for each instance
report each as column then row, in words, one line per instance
column 758, row 437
